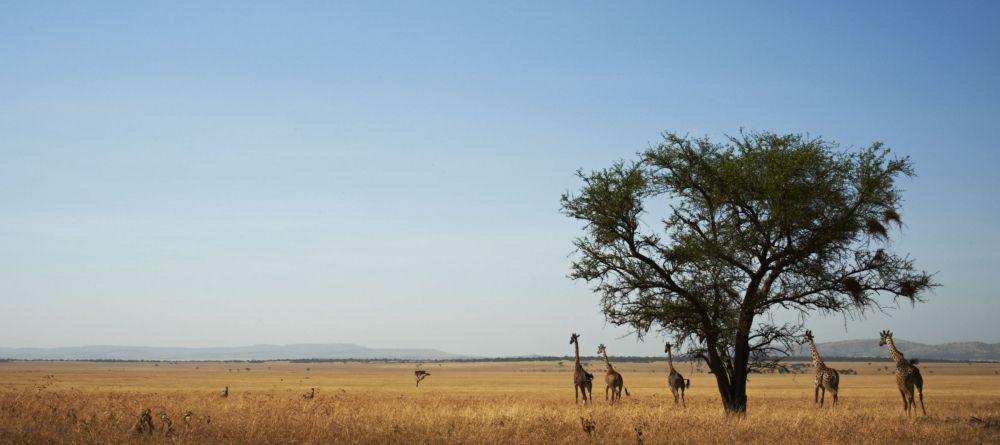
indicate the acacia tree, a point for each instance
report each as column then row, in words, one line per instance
column 759, row 222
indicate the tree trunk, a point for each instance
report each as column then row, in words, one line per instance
column 727, row 387
column 737, row 401
column 732, row 383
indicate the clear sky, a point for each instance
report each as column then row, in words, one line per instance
column 232, row 173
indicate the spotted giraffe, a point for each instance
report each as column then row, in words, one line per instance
column 907, row 375
column 613, row 379
column 582, row 380
column 675, row 380
column 827, row 378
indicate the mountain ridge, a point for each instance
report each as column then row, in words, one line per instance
column 858, row 348
column 956, row 351
column 298, row 351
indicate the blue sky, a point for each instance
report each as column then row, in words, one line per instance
column 388, row 174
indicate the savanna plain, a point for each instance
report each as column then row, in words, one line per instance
column 475, row 402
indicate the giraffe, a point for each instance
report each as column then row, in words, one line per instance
column 676, row 381
column 826, row 379
column 582, row 380
column 613, row 380
column 907, row 375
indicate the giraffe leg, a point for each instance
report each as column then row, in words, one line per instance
column 683, row 403
column 834, row 392
column 906, row 406
column 822, row 398
column 576, row 394
column 606, row 388
column 816, row 395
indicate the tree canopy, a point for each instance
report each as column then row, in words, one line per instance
column 735, row 230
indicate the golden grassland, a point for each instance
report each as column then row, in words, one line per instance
column 472, row 403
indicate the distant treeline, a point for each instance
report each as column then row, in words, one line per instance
column 118, row 360
column 622, row 359
column 881, row 359
column 627, row 359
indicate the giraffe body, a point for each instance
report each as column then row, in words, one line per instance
column 613, row 380
column 827, row 379
column 582, row 380
column 676, row 381
column 908, row 376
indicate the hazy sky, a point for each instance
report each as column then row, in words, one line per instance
column 215, row 173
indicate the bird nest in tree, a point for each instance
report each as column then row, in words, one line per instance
column 853, row 287
column 907, row 289
column 891, row 215
column 876, row 229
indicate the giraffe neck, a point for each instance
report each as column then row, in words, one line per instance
column 576, row 345
column 670, row 359
column 606, row 362
column 896, row 355
column 817, row 362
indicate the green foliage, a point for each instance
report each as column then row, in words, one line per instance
column 758, row 222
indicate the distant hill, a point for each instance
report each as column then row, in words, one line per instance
column 958, row 351
column 868, row 348
column 335, row 351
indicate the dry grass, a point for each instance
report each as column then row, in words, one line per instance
column 528, row 402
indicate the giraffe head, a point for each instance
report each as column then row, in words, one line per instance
column 600, row 348
column 573, row 337
column 808, row 337
column 666, row 348
column 886, row 337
